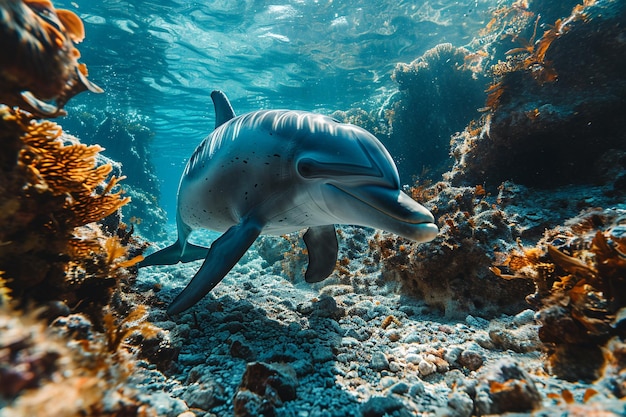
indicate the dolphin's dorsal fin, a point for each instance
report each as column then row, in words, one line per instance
column 223, row 110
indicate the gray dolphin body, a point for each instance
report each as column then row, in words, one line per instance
column 280, row 171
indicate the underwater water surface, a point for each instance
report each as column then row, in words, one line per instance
column 158, row 61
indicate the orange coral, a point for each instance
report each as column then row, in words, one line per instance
column 531, row 55
column 65, row 169
column 580, row 283
column 38, row 57
column 52, row 187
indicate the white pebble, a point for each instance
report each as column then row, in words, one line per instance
column 426, row 368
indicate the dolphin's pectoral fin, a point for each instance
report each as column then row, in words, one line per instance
column 322, row 246
column 193, row 252
column 166, row 256
column 224, row 253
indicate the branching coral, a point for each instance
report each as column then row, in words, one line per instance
column 52, row 189
column 580, row 278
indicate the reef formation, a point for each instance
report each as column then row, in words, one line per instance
column 536, row 184
column 65, row 256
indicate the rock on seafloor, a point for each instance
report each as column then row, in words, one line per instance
column 263, row 387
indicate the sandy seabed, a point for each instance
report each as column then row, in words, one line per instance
column 262, row 344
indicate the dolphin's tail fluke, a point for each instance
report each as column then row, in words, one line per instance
column 175, row 253
column 166, row 256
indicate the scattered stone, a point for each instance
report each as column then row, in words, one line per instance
column 381, row 406
column 470, row 359
column 387, row 381
column 239, row 349
column 204, row 395
column 524, row 317
column 522, row 340
column 414, row 337
column 305, row 308
column 476, row 322
column 191, row 359
column 361, row 334
column 506, row 388
column 264, row 386
column 393, row 335
column 379, row 361
column 399, row 388
column 395, row 366
column 322, row 354
column 249, row 404
column 358, row 310
column 302, row 367
column 327, row 307
column 426, row 368
column 417, row 389
column 459, row 404
column 440, row 364
column 451, row 355
column 414, row 358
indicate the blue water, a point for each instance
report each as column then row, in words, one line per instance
column 158, row 61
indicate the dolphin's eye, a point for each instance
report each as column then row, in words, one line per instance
column 305, row 169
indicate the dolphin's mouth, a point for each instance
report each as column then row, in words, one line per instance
column 384, row 208
column 390, row 202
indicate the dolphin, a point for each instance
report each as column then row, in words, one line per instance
column 280, row 171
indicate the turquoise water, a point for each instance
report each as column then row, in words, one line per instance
column 158, row 61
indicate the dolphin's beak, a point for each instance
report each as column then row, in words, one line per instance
column 391, row 210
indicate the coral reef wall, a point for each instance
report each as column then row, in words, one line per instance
column 548, row 142
column 51, row 193
column 555, row 106
column 438, row 96
column 536, row 191
column 66, row 259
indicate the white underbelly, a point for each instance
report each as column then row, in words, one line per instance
column 282, row 211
